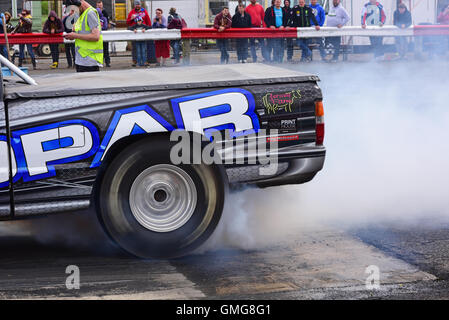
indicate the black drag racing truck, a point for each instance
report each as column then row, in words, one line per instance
column 105, row 140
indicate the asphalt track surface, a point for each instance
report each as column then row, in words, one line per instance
column 321, row 263
column 323, row 258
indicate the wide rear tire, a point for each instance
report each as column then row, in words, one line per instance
column 154, row 209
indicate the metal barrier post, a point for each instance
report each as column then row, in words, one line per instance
column 186, row 49
column 17, row 71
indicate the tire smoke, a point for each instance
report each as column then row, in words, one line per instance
column 75, row 230
column 387, row 158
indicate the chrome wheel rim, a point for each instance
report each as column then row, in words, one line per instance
column 163, row 198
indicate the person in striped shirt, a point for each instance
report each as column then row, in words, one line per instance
column 373, row 14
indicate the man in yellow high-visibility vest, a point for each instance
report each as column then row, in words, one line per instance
column 88, row 38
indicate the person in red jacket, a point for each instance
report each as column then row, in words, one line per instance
column 257, row 14
column 222, row 22
column 138, row 11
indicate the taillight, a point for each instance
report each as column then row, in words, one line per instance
column 319, row 128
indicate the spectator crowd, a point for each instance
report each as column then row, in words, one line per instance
column 304, row 15
column 279, row 16
column 147, row 51
column 143, row 52
column 53, row 25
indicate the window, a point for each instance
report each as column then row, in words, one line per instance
column 214, row 7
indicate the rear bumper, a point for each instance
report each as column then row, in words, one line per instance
column 295, row 165
column 299, row 171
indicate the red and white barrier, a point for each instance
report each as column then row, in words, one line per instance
column 33, row 38
column 234, row 33
column 431, row 30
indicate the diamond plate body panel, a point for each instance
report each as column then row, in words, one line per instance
column 252, row 173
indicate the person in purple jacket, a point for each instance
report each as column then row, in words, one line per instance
column 104, row 26
column 103, row 20
column 53, row 25
column 104, row 13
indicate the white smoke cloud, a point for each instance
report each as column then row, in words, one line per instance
column 387, row 157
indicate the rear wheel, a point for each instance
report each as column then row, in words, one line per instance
column 154, row 209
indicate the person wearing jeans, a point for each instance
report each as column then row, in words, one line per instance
column 24, row 26
column 68, row 22
column 176, row 45
column 137, row 11
column 306, row 53
column 140, row 46
column 320, row 16
column 241, row 20
column 141, row 52
column 276, row 19
column 302, row 18
column 257, row 14
column 29, row 48
column 288, row 12
column 175, row 21
column 223, row 47
column 373, row 14
column 402, row 19
column 105, row 26
column 3, row 50
column 222, row 22
column 337, row 17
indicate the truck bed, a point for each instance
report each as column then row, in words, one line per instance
column 69, row 84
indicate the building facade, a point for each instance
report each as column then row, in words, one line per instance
column 201, row 13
